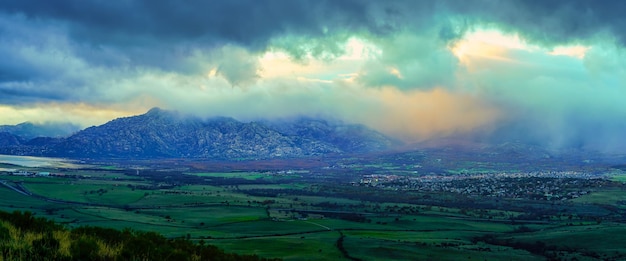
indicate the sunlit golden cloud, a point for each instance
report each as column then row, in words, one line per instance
column 83, row 114
column 577, row 51
column 420, row 115
column 490, row 44
column 279, row 64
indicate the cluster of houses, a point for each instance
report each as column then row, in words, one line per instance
column 31, row 173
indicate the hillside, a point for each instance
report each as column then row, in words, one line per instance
column 24, row 237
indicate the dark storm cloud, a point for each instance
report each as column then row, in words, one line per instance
column 253, row 23
column 25, row 93
column 14, row 68
column 550, row 22
column 165, row 34
column 168, row 35
column 245, row 22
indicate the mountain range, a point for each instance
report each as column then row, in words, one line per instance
column 168, row 134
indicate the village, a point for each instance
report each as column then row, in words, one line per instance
column 536, row 185
column 26, row 173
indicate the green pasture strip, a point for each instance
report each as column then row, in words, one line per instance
column 104, row 193
column 110, row 167
column 318, row 199
column 60, row 191
column 165, row 200
column 606, row 196
column 108, row 175
column 603, row 238
column 217, row 194
column 487, row 226
column 619, row 178
column 167, row 231
column 72, row 215
column 161, row 198
column 402, row 222
column 311, row 246
column 116, row 196
column 297, row 186
column 420, row 222
column 206, row 217
column 339, row 224
column 11, row 200
column 108, row 217
column 433, row 222
column 112, row 182
column 265, row 228
column 414, row 236
column 389, row 249
column 617, row 175
column 121, row 214
column 200, row 188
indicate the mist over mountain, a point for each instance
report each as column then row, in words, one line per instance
column 163, row 133
column 168, row 134
column 605, row 138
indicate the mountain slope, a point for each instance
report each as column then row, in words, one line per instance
column 165, row 134
column 8, row 139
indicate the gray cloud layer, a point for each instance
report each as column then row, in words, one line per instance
column 161, row 33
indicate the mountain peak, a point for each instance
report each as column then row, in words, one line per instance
column 162, row 114
column 26, row 124
column 156, row 111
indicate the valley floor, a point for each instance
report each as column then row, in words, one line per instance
column 351, row 214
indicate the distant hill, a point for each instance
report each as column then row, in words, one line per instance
column 28, row 130
column 167, row 134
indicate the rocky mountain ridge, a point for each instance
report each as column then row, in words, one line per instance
column 167, row 134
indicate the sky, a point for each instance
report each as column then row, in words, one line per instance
column 545, row 72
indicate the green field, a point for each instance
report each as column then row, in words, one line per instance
column 314, row 246
column 273, row 216
column 432, row 249
column 604, row 196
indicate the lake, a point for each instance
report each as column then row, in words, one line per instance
column 36, row 162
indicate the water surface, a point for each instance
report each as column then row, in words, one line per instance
column 38, row 162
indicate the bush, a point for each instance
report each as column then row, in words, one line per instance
column 4, row 234
column 84, row 248
column 47, row 246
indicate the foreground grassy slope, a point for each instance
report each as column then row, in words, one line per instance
column 24, row 237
